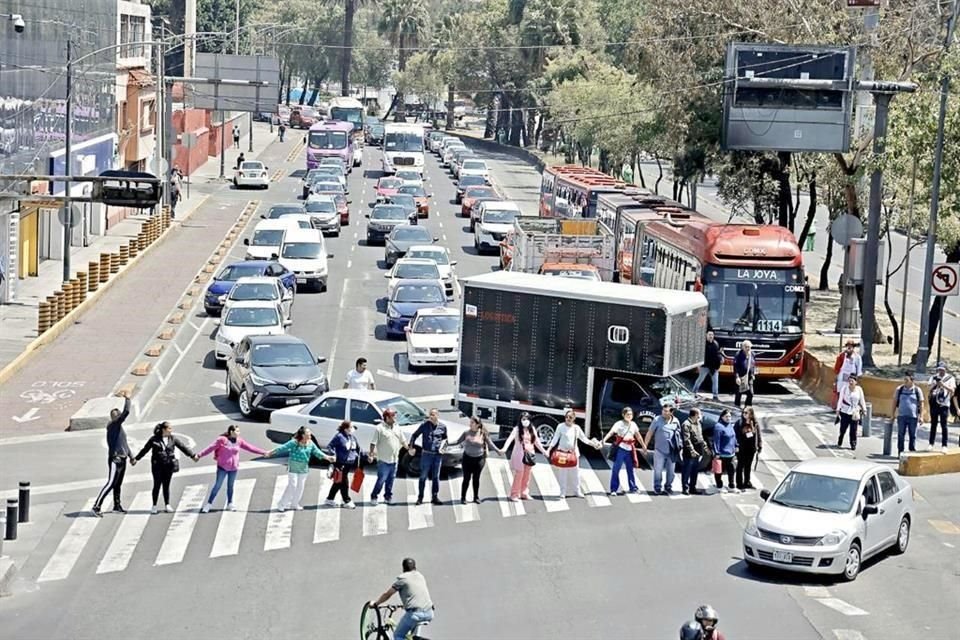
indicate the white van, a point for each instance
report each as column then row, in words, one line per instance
column 267, row 237
column 304, row 252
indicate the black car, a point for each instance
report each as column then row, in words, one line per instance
column 469, row 181
column 402, row 238
column 271, row 372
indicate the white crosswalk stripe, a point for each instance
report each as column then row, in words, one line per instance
column 502, row 477
column 374, row 517
column 70, row 547
column 420, row 515
column 128, row 534
column 326, row 527
column 279, row 524
column 184, row 520
column 794, row 442
column 591, row 485
column 230, row 528
column 549, row 488
column 462, row 512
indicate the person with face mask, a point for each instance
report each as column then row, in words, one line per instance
column 523, row 457
column 565, row 453
column 346, row 450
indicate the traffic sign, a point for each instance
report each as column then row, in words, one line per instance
column 846, row 228
column 945, row 279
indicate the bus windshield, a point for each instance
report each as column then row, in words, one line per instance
column 403, row 141
column 759, row 301
column 328, row 140
column 353, row 115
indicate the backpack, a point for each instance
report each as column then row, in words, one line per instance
column 676, row 443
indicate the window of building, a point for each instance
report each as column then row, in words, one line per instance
column 132, row 29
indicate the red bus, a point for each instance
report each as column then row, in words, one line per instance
column 752, row 276
column 570, row 191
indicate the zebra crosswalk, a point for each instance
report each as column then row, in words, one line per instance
column 165, row 539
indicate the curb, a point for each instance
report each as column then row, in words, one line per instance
column 929, row 464
column 8, row 572
column 57, row 329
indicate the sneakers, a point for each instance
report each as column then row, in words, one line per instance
column 231, row 507
column 96, row 512
column 436, row 501
column 514, row 499
column 419, row 501
column 154, row 511
column 118, row 508
column 748, row 486
column 525, row 496
column 374, row 501
column 685, row 492
column 206, row 508
column 476, row 501
column 737, row 490
column 329, row 503
column 580, row 494
column 347, row 505
column 281, row 508
column 299, row 507
column 724, row 490
column 168, row 508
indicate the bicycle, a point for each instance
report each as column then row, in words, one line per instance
column 377, row 623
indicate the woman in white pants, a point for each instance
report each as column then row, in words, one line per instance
column 564, row 443
column 299, row 450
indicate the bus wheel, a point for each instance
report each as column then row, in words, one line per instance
column 545, row 426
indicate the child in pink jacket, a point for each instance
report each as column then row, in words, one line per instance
column 226, row 451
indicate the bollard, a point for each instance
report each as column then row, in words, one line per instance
column 114, row 262
column 24, row 515
column 43, row 316
column 124, row 254
column 887, row 437
column 11, row 532
column 132, row 248
column 76, row 297
column 84, row 285
column 93, row 275
column 61, row 308
column 866, row 420
column 104, row 267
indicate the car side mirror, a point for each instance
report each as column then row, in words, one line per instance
column 321, row 360
column 274, row 256
column 436, row 238
column 869, row 510
column 329, row 255
column 287, row 323
column 764, row 495
column 366, row 215
column 351, row 202
column 453, row 263
column 407, row 329
column 387, row 275
column 216, row 323
column 246, row 241
column 240, row 361
column 263, row 216
column 266, row 168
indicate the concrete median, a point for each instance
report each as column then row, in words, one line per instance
column 929, row 463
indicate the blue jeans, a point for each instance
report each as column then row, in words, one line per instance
column 410, row 621
column 662, row 462
column 688, row 473
column 714, row 380
column 386, row 474
column 429, row 468
column 622, row 457
column 230, row 476
column 906, row 424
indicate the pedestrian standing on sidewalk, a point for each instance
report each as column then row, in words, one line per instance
column 565, row 453
column 745, row 371
column 523, row 456
column 694, row 446
column 667, row 436
column 476, row 444
column 118, row 452
column 281, row 130
column 176, row 190
column 433, row 439
column 299, row 449
column 347, row 455
column 226, row 451
column 712, row 359
column 724, row 450
column 851, row 405
column 940, row 397
column 359, row 377
column 749, row 445
column 385, row 448
column 163, row 447
column 236, row 137
column 848, row 363
column 626, row 435
column 908, row 407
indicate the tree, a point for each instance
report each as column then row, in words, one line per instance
column 346, row 52
column 404, row 24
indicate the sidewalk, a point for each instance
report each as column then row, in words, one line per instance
column 18, row 319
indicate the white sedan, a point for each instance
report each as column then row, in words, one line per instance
column 410, row 269
column 261, row 289
column 433, row 338
column 828, row 515
column 247, row 318
column 251, row 173
column 364, row 408
column 441, row 256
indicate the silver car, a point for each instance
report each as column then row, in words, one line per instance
column 828, row 515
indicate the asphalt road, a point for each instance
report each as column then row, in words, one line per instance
column 597, row 567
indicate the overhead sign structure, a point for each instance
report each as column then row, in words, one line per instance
column 219, row 68
column 945, row 280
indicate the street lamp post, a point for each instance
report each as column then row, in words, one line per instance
column 68, row 166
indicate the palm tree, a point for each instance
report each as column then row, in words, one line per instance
column 346, row 59
column 404, row 24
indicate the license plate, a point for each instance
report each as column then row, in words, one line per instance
column 301, row 280
column 293, row 401
column 783, row 556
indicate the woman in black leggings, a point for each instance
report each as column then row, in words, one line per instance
column 163, row 461
column 476, row 442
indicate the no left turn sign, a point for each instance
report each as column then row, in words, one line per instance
column 945, row 280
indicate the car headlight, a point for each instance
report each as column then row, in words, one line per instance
column 751, row 528
column 260, row 382
column 392, row 312
column 419, row 350
column 832, row 539
column 222, row 339
column 223, row 299
column 318, row 380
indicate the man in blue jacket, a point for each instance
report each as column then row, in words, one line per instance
column 433, row 437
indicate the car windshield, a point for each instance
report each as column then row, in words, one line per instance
column 328, row 187
column 281, row 355
column 327, row 140
column 437, row 324
column 245, row 317
column 579, row 274
column 395, row 212
column 414, row 234
column 280, row 210
column 403, row 199
column 237, row 271
column 251, row 166
column 479, row 165
column 499, row 216
column 302, row 250
column 376, row 130
column 420, row 271
column 390, row 183
column 471, row 181
column 669, row 389
column 408, row 175
column 816, row 493
column 418, row 293
column 407, row 412
column 414, row 190
column 479, row 192
column 321, row 206
column 267, row 238
column 255, row 291
column 440, row 257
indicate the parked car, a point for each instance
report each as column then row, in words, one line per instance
column 433, row 338
column 410, row 269
column 251, row 173
column 383, row 219
column 408, row 297
column 828, row 515
column 304, row 252
column 441, row 257
column 420, row 197
column 387, row 187
column 324, row 212
column 228, row 276
column 364, row 409
column 470, row 181
column 269, row 372
column 261, row 289
column 247, row 318
column 401, row 238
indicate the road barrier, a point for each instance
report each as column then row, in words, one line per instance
column 24, row 513
column 12, row 514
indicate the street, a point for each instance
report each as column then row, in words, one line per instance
column 634, row 566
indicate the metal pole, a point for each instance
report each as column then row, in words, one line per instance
column 68, row 166
column 906, row 266
column 872, row 249
column 161, row 131
column 236, row 24
column 24, row 494
column 940, row 328
column 169, row 136
column 923, row 349
column 12, row 508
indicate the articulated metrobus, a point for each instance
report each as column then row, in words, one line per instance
column 402, row 147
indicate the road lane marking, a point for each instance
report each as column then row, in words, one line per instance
column 176, row 363
column 841, row 606
column 419, row 516
column 848, row 634
column 349, row 263
column 220, row 386
column 184, row 520
column 374, row 517
column 776, row 467
column 326, row 527
column 462, row 512
column 592, row 487
column 128, row 534
column 403, row 377
column 816, row 592
column 68, row 551
column 820, row 432
column 795, row 443
column 945, row 526
column 499, row 470
column 549, row 488
column 280, row 523
column 230, row 528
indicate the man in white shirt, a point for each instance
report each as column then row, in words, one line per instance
column 359, row 377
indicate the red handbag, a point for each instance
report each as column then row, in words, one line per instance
column 563, row 459
column 357, row 482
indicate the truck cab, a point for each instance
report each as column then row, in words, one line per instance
column 570, row 270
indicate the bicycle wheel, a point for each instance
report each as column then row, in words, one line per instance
column 370, row 624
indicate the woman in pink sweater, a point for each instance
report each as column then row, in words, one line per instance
column 226, row 451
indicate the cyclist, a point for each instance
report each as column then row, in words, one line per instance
column 708, row 619
column 415, row 597
column 691, row 631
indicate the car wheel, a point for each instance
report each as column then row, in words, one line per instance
column 545, row 427
column 410, row 465
column 851, row 564
column 903, row 536
column 246, row 404
column 231, row 393
column 369, row 241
